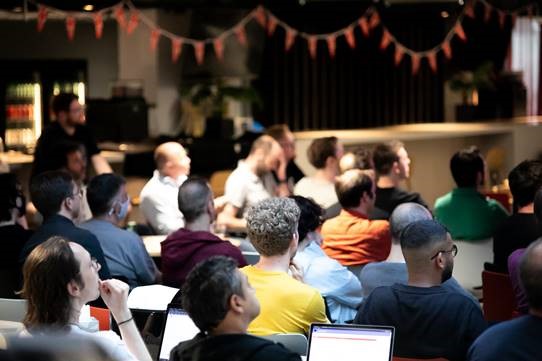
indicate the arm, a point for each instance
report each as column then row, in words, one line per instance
column 228, row 218
column 146, row 270
column 115, row 295
column 100, row 164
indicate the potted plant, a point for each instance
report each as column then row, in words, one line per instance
column 469, row 83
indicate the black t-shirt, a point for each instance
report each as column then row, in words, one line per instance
column 232, row 347
column 46, row 157
column 429, row 321
column 517, row 231
column 517, row 340
column 389, row 198
column 12, row 238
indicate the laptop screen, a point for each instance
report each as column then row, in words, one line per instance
column 350, row 342
column 177, row 328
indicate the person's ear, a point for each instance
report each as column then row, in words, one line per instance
column 440, row 261
column 236, row 303
column 396, row 169
column 74, row 289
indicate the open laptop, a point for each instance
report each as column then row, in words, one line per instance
column 350, row 342
column 178, row 327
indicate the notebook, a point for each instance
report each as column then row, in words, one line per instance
column 178, row 327
column 350, row 342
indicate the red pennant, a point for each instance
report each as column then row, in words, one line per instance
column 469, row 9
column 290, row 39
column 432, row 60
column 386, row 40
column 349, row 36
column 199, row 52
column 155, row 37
column 218, row 45
column 133, row 22
column 312, row 42
column 487, row 12
column 241, row 35
column 42, row 17
column 460, row 32
column 399, row 53
column 415, row 59
column 447, row 50
column 271, row 25
column 259, row 15
column 176, row 48
column 70, row 27
column 364, row 25
column 98, row 24
column 119, row 15
column 331, row 41
column 502, row 18
column 375, row 20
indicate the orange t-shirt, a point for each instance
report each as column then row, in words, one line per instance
column 354, row 240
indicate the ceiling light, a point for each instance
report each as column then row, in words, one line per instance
column 88, row 7
column 444, row 14
column 461, row 2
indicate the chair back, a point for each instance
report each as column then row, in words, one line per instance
column 218, row 181
column 251, row 257
column 469, row 262
column 12, row 309
column 294, row 342
column 418, row 359
column 103, row 316
column 499, row 300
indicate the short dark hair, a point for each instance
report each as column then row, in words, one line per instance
column 320, row 150
column 9, row 191
column 49, row 189
column 193, row 198
column 46, row 273
column 207, row 291
column 423, row 234
column 385, row 154
column 465, row 166
column 524, row 180
column 530, row 272
column 62, row 102
column 101, row 190
column 311, row 216
column 538, row 205
column 60, row 152
column 277, row 131
column 351, row 185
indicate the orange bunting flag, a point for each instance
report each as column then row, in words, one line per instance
column 331, row 41
column 447, row 50
column 70, row 26
column 241, row 35
column 415, row 59
column 432, row 60
column 42, row 17
column 460, row 32
column 199, row 52
column 469, row 9
column 364, row 26
column 98, row 24
column 386, row 40
column 487, row 12
column 133, row 22
column 271, row 25
column 349, row 36
column 218, row 45
column 155, row 36
column 312, row 42
column 259, row 15
column 290, row 39
column 375, row 20
column 176, row 48
column 399, row 53
column 502, row 18
column 119, row 15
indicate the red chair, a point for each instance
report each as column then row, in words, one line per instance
column 395, row 358
column 103, row 316
column 499, row 302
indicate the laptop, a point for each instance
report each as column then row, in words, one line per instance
column 350, row 342
column 178, row 327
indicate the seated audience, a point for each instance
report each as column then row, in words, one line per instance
column 351, row 238
column 430, row 320
column 221, row 302
column 252, row 181
column 287, row 304
column 60, row 277
column 282, row 134
column 359, row 158
column 324, row 155
column 517, row 339
column 467, row 213
column 521, row 228
column 392, row 166
column 335, row 282
column 58, row 199
column 124, row 251
column 394, row 269
column 186, row 247
column 159, row 195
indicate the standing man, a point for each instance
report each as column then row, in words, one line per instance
column 159, row 195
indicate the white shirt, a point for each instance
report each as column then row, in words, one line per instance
column 159, row 203
column 321, row 191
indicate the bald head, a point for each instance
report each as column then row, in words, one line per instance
column 405, row 214
column 194, row 198
column 530, row 271
column 172, row 160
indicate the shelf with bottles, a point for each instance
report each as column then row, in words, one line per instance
column 20, row 93
column 19, row 139
column 16, row 113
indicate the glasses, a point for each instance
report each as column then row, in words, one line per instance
column 95, row 264
column 453, row 251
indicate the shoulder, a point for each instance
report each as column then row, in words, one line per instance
column 442, row 200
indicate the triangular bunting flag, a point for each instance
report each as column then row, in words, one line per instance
column 259, row 15
column 218, row 45
column 469, row 9
column 502, row 18
column 98, row 24
column 155, row 37
column 119, row 15
column 487, row 12
column 399, row 53
column 447, row 50
column 133, row 22
column 375, row 20
column 176, row 48
column 331, row 41
column 432, row 60
column 199, row 52
column 460, row 32
column 386, row 40
column 290, row 39
column 349, row 36
column 364, row 26
column 312, row 43
column 42, row 17
column 415, row 59
column 271, row 25
column 241, row 35
column 70, row 27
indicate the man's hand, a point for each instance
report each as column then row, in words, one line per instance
column 115, row 295
column 295, row 271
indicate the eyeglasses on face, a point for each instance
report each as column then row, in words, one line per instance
column 453, row 251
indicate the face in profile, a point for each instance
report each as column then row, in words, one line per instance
column 403, row 163
column 76, row 165
column 76, row 114
column 88, row 269
column 287, row 144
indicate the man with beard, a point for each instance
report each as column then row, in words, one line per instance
column 430, row 320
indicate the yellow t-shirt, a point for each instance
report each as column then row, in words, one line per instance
column 286, row 305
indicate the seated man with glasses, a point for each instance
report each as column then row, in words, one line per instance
column 430, row 320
